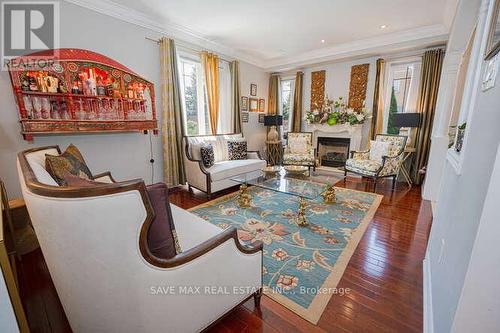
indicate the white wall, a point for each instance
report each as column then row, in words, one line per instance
column 254, row 132
column 479, row 303
column 126, row 155
column 460, row 205
column 461, row 30
column 338, row 77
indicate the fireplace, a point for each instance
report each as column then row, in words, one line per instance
column 333, row 152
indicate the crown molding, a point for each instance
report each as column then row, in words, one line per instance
column 387, row 43
column 175, row 31
column 380, row 45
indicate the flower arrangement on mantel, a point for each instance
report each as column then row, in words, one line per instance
column 335, row 112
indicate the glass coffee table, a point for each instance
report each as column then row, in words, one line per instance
column 291, row 184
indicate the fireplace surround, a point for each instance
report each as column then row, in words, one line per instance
column 333, row 151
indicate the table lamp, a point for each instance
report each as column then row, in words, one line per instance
column 273, row 121
column 405, row 121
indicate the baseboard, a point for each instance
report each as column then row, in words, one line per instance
column 433, row 207
column 428, row 313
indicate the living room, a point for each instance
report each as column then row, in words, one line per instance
column 329, row 166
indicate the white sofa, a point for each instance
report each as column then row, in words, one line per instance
column 94, row 241
column 217, row 177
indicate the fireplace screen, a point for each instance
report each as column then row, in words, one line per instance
column 333, row 152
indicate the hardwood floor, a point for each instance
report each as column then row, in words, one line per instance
column 384, row 276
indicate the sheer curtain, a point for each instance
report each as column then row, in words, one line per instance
column 226, row 116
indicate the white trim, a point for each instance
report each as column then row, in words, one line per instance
column 473, row 81
column 428, row 313
column 375, row 46
column 182, row 34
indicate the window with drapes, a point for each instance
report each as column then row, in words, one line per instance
column 402, row 91
column 286, row 105
column 194, row 96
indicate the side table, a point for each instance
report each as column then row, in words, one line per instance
column 274, row 154
column 402, row 168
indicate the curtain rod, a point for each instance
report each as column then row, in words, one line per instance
column 157, row 41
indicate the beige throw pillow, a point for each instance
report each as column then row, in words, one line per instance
column 379, row 149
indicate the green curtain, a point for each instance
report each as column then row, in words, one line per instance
column 297, row 103
column 172, row 115
column 432, row 62
column 234, row 67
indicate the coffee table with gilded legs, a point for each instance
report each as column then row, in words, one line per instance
column 288, row 184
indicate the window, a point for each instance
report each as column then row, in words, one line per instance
column 196, row 119
column 402, row 92
column 287, row 92
column 194, row 97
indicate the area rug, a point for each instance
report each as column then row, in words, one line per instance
column 302, row 265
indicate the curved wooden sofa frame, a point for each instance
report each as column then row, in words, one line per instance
column 118, row 187
column 200, row 162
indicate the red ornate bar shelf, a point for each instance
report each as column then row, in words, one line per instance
column 80, row 91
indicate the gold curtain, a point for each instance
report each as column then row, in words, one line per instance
column 432, row 62
column 210, row 63
column 274, row 94
column 378, row 101
column 297, row 103
column 172, row 116
column 235, row 96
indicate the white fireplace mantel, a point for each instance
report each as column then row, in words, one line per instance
column 353, row 132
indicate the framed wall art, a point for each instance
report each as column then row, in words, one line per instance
column 244, row 103
column 244, row 117
column 262, row 105
column 254, row 104
column 253, row 89
column 493, row 46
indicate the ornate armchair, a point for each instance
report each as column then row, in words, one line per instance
column 299, row 150
column 95, row 243
column 361, row 163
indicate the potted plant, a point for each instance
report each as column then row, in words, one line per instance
column 460, row 137
column 335, row 112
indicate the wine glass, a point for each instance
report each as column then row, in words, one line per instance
column 46, row 108
column 37, row 105
column 28, row 106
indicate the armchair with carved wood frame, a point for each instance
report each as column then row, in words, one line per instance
column 361, row 164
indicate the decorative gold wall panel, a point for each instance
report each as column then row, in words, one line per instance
column 317, row 89
column 357, row 87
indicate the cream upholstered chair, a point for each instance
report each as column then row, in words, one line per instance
column 94, row 241
column 360, row 162
column 299, row 150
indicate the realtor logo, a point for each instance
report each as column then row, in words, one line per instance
column 29, row 27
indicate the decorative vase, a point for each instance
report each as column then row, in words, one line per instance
column 273, row 134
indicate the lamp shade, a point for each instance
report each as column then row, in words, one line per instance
column 275, row 120
column 406, row 119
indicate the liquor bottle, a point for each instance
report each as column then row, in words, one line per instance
column 25, row 84
column 130, row 92
column 75, row 89
column 33, row 84
column 91, row 83
column 62, row 87
column 101, row 89
column 109, row 86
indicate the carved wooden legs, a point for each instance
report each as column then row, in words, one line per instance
column 256, row 298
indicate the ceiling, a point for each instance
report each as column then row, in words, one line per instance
column 280, row 34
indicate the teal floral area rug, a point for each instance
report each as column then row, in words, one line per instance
column 301, row 265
